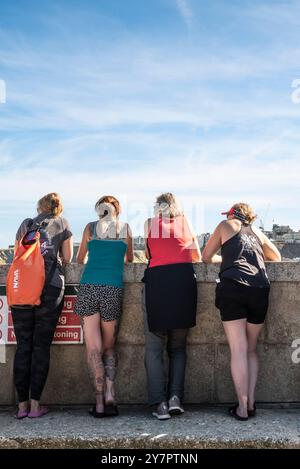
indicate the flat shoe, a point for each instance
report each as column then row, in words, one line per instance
column 233, row 412
column 252, row 413
column 38, row 413
column 97, row 415
column 21, row 414
column 111, row 410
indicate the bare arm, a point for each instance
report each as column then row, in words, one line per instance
column 196, row 253
column 82, row 251
column 67, row 250
column 271, row 252
column 146, row 233
column 212, row 247
column 129, row 253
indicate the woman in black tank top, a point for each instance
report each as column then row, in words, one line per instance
column 242, row 294
column 243, row 259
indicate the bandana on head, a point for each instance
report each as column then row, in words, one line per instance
column 239, row 215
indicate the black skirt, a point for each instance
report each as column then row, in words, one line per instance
column 171, row 297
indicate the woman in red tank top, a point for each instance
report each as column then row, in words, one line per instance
column 169, row 301
column 170, row 241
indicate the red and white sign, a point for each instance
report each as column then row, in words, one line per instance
column 68, row 330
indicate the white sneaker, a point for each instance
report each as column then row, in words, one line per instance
column 162, row 411
column 175, row 407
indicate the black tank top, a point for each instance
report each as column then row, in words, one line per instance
column 243, row 259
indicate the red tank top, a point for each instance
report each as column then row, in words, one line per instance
column 169, row 241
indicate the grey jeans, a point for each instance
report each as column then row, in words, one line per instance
column 174, row 341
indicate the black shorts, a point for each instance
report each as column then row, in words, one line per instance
column 238, row 301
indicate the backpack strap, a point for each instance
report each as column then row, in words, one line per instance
column 35, row 226
column 29, row 224
column 38, row 227
column 50, row 276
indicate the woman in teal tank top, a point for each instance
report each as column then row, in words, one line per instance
column 106, row 245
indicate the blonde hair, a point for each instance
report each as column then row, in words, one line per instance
column 167, row 205
column 105, row 205
column 51, row 203
column 246, row 210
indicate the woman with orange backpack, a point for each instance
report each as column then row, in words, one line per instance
column 35, row 320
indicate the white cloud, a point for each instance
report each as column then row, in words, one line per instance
column 2, row 92
column 155, row 85
column 138, row 115
column 185, row 12
column 206, row 175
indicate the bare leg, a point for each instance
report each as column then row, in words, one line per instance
column 34, row 405
column 237, row 339
column 23, row 406
column 253, row 331
column 93, row 342
column 109, row 335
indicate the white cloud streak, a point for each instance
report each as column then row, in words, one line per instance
column 138, row 117
column 185, row 11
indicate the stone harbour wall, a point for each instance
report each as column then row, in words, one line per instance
column 208, row 378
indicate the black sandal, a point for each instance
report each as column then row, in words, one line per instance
column 252, row 413
column 111, row 410
column 233, row 412
column 97, row 415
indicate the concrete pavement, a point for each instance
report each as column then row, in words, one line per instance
column 199, row 427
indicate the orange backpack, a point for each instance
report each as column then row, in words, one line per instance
column 26, row 276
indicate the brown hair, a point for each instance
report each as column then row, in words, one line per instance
column 246, row 210
column 101, row 208
column 167, row 205
column 51, row 203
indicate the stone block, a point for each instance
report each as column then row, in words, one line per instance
column 279, row 377
column 209, row 327
column 132, row 325
column 131, row 387
column 7, row 390
column 132, row 293
column 68, row 381
column 199, row 383
column 283, row 319
column 278, row 380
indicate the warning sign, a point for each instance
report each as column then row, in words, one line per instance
column 68, row 330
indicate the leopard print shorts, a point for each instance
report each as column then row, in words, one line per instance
column 103, row 299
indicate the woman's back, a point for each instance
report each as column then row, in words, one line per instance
column 54, row 231
column 243, row 258
column 105, row 263
column 169, row 241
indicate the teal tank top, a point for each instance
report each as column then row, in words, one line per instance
column 105, row 263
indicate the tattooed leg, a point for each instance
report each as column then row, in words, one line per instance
column 110, row 359
column 93, row 341
column 96, row 372
column 110, row 367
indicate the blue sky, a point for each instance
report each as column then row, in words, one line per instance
column 135, row 98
